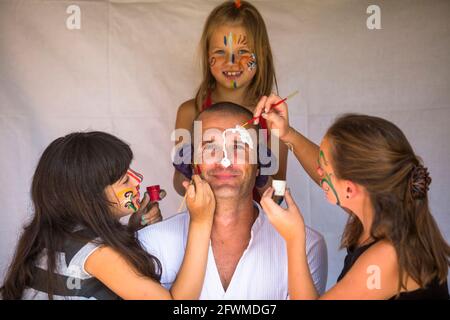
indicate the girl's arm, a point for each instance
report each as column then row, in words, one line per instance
column 120, row 276
column 373, row 276
column 201, row 206
column 185, row 117
column 290, row 225
column 306, row 151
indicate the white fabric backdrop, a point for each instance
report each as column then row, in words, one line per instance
column 133, row 62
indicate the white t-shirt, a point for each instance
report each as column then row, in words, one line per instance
column 261, row 273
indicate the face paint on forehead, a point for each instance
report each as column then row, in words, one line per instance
column 242, row 40
column 244, row 136
column 135, row 175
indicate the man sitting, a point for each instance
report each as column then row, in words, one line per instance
column 247, row 257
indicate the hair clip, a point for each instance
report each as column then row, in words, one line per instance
column 237, row 3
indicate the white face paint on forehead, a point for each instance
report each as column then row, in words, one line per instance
column 244, row 136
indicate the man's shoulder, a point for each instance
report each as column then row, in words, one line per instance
column 313, row 235
column 170, row 229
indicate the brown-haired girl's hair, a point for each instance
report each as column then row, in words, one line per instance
column 245, row 15
column 68, row 191
column 375, row 153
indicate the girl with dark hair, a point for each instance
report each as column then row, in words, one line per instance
column 76, row 248
column 365, row 165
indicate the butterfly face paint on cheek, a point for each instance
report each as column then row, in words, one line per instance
column 245, row 138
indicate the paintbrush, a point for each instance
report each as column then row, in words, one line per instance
column 272, row 106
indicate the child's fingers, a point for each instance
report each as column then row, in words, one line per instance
column 266, row 201
column 145, row 201
column 185, row 184
column 259, row 109
column 153, row 215
column 289, row 200
column 271, row 100
column 273, row 118
column 198, row 188
column 190, row 191
column 268, row 192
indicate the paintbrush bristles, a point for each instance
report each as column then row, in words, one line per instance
column 292, row 95
column 182, row 203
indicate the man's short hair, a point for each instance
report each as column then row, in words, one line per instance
column 228, row 108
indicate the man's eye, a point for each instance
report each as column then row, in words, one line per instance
column 239, row 147
column 210, row 147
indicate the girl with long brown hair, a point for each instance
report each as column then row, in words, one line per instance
column 75, row 246
column 365, row 165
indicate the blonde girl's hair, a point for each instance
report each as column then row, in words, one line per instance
column 247, row 16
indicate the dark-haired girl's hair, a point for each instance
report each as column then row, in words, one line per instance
column 68, row 192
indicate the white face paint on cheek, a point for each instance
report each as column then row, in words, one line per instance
column 245, row 138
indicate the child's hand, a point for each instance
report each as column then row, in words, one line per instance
column 277, row 117
column 148, row 213
column 200, row 200
column 288, row 222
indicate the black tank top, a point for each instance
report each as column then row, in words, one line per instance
column 433, row 291
column 69, row 285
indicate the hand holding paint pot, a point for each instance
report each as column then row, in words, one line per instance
column 149, row 212
column 288, row 222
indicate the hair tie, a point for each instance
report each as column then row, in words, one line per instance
column 419, row 182
column 237, row 3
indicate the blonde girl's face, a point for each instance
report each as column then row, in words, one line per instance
column 231, row 59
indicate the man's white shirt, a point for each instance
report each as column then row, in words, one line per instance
column 261, row 273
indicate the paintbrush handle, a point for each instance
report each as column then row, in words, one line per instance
column 272, row 106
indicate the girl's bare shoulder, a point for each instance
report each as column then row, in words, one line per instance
column 186, row 114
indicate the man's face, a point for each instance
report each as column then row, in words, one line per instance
column 236, row 180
